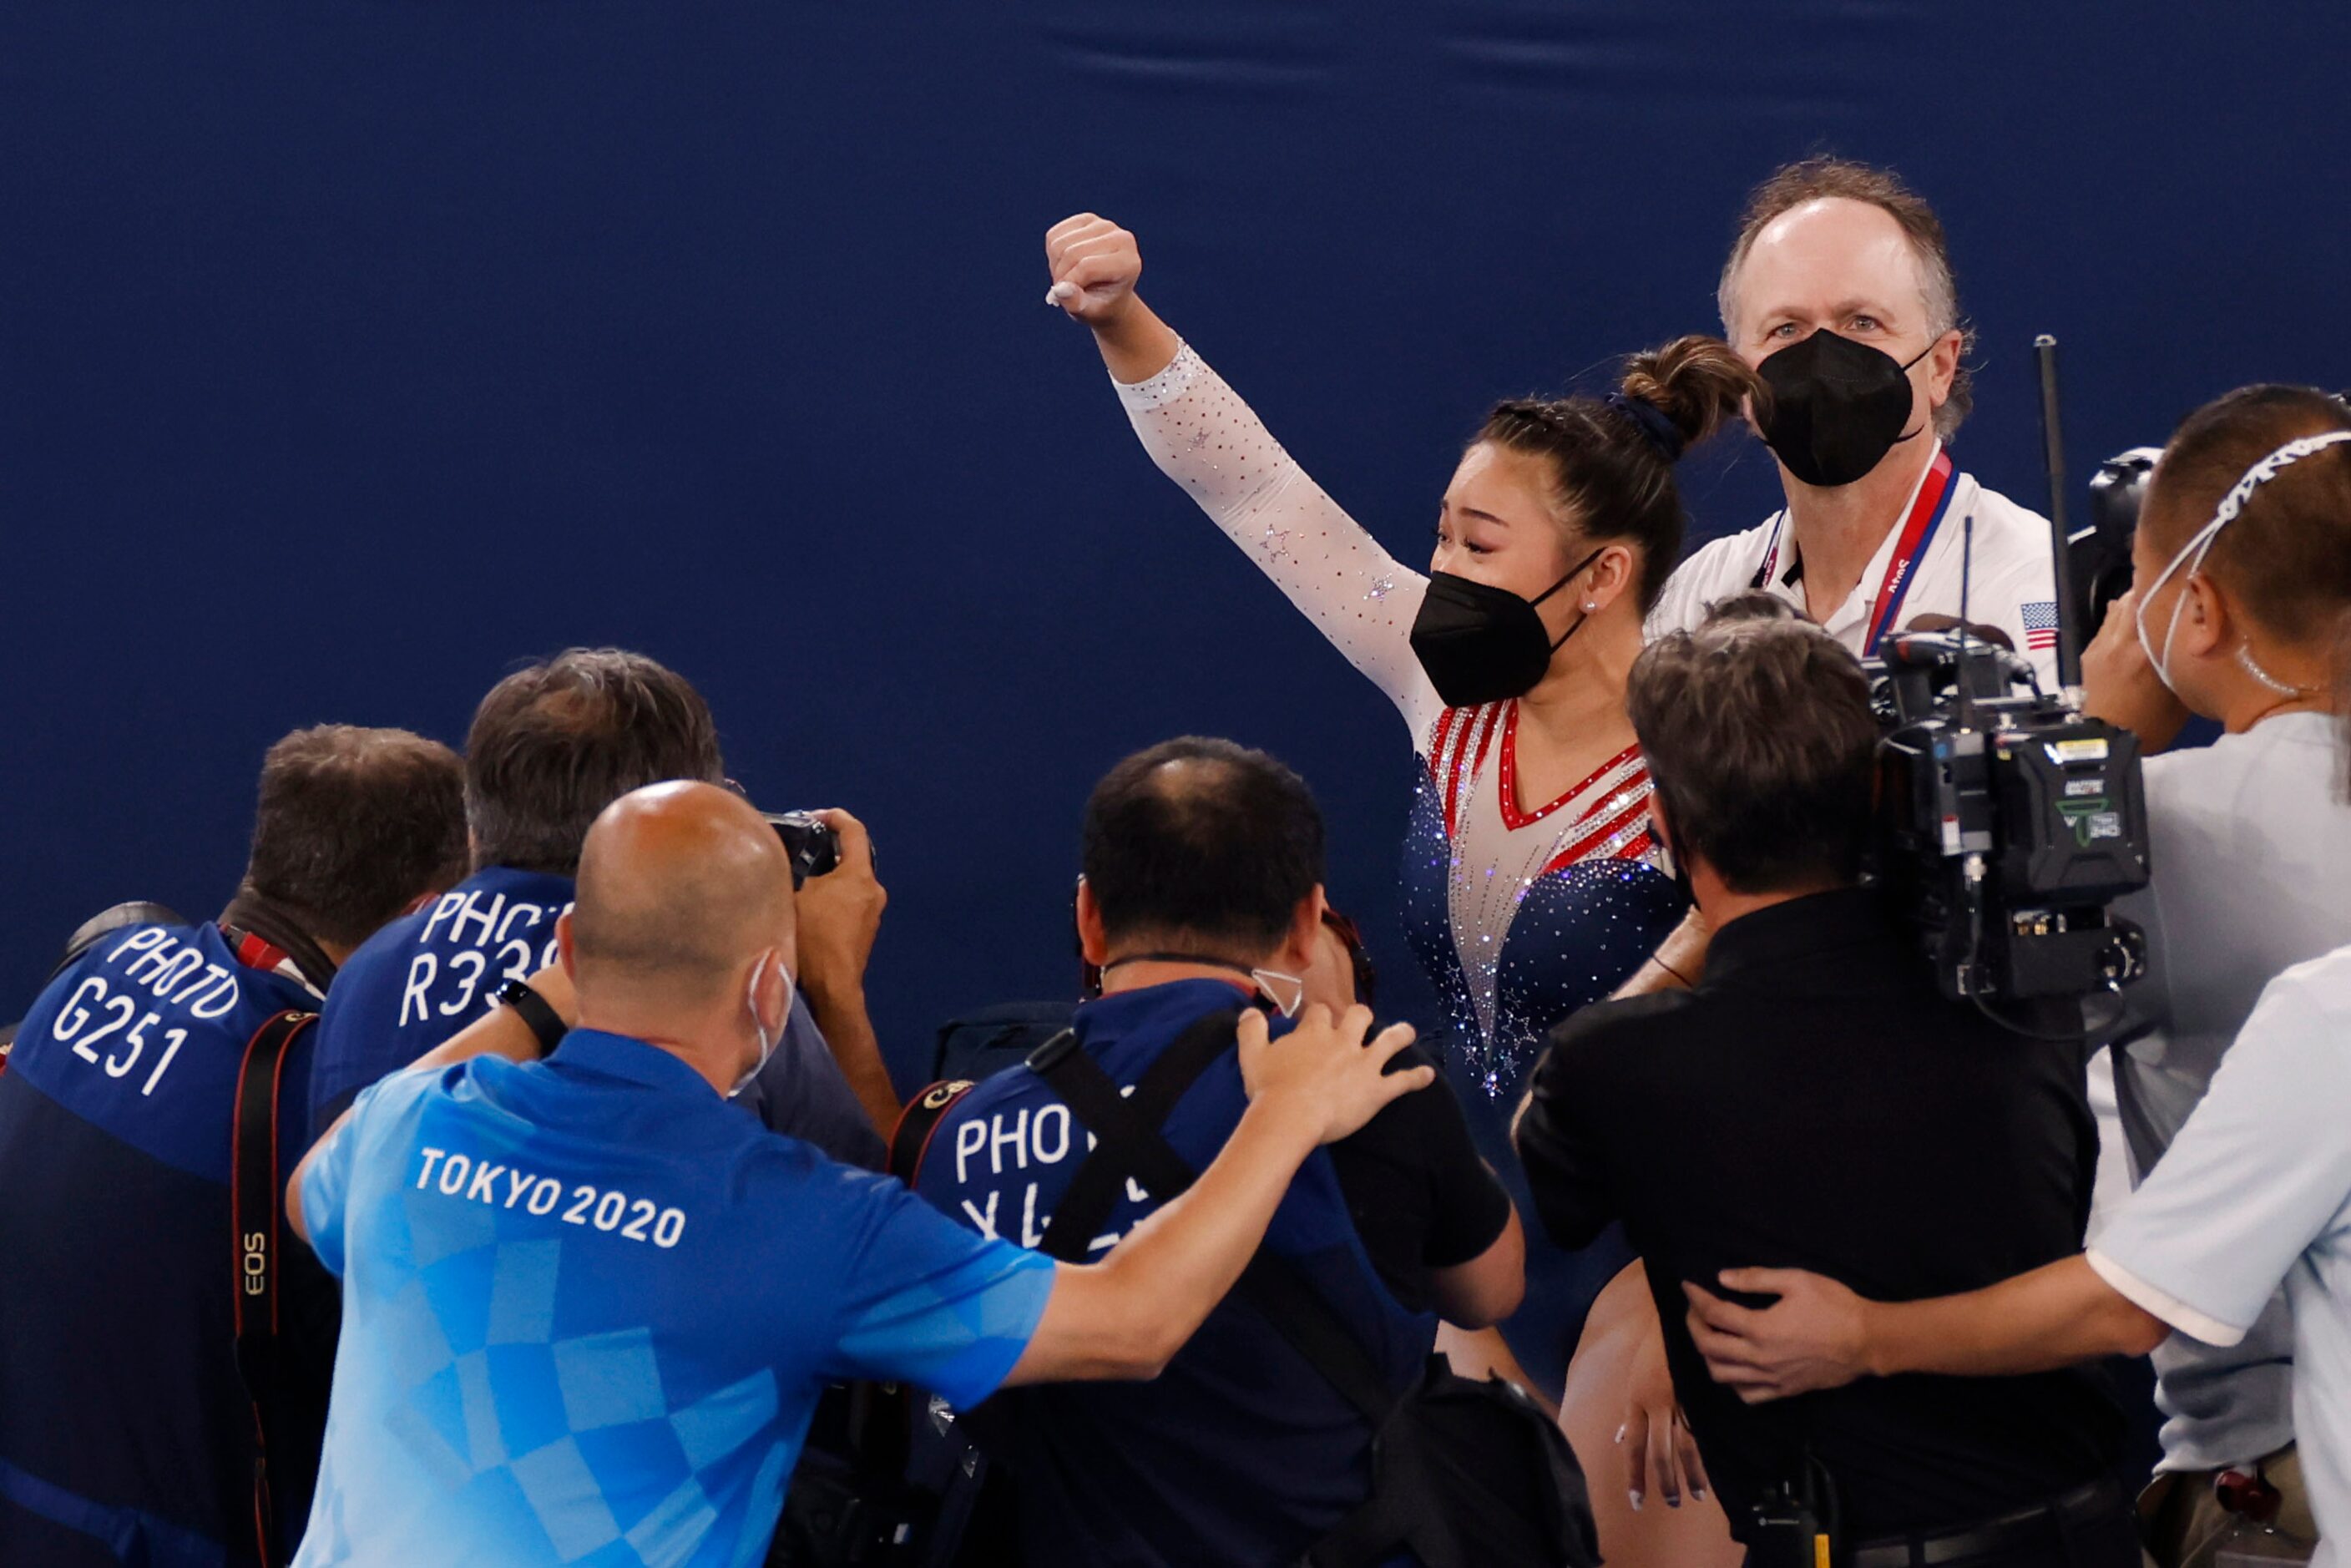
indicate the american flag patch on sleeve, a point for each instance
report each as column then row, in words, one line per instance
column 2040, row 624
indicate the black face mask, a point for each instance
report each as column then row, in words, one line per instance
column 1679, row 867
column 1480, row 643
column 1837, row 407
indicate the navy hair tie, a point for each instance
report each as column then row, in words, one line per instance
column 1657, row 427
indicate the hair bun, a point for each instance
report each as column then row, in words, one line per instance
column 1695, row 384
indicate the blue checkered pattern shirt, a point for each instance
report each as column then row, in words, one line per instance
column 587, row 1311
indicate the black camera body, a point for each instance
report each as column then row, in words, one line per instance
column 2009, row 822
column 813, row 847
column 2101, row 553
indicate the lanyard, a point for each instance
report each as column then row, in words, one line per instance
column 1934, row 499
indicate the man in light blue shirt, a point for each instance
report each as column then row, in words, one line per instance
column 588, row 1307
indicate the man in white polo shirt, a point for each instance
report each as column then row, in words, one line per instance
column 1839, row 291
column 2242, row 572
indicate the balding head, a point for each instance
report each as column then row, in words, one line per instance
column 1201, row 844
column 681, row 886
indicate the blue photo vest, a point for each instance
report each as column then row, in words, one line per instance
column 1240, row 1452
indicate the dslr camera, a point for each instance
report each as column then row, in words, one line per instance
column 2101, row 554
column 813, row 847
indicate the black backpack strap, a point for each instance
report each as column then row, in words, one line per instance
column 256, row 1199
column 911, row 1139
column 1126, row 1126
column 1128, row 1140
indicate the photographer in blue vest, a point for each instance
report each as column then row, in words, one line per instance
column 138, row 1094
column 550, row 746
column 1202, row 900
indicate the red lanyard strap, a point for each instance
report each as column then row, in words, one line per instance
column 1935, row 492
column 1926, row 515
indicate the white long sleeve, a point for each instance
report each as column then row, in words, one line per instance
column 1206, row 438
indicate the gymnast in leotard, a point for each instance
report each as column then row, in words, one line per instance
column 1532, row 881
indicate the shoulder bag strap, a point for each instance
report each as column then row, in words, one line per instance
column 1085, row 1207
column 1128, row 1135
column 911, row 1139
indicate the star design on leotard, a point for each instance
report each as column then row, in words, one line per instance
column 1381, row 588
column 1199, row 438
column 1276, row 543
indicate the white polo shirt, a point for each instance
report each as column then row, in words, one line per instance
column 2012, row 588
column 2252, row 854
column 2256, row 1191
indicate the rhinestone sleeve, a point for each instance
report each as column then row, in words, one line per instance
column 1207, row 440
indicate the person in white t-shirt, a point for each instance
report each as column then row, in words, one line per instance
column 1531, row 881
column 1839, row 291
column 2241, row 565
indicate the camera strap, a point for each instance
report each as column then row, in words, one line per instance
column 1130, row 1144
column 1461, row 1473
column 257, row 1191
column 1085, row 1207
column 910, row 1140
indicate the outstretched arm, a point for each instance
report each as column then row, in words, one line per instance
column 1206, row 438
column 1819, row 1334
column 501, row 1032
column 1127, row 1315
column 2257, row 1174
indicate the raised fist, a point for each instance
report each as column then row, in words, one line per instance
column 1094, row 264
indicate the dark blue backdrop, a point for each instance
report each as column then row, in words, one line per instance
column 355, row 352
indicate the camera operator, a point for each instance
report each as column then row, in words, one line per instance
column 127, row 1434
column 2230, row 617
column 2253, row 1194
column 550, row 746
column 1815, row 1099
column 590, row 1307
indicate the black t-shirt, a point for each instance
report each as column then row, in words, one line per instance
column 1421, row 1197
column 1815, row 1104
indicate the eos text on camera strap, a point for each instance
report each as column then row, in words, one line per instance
column 1919, row 525
column 256, row 1185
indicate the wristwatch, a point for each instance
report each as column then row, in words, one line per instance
column 532, row 1009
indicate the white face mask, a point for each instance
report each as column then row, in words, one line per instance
column 2200, row 545
column 766, row 1044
